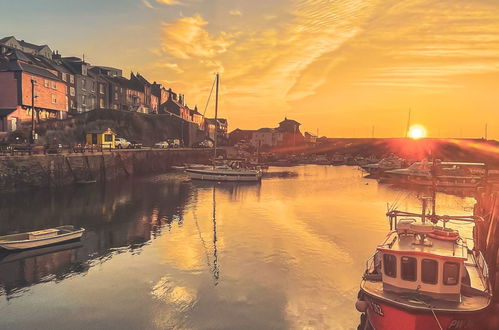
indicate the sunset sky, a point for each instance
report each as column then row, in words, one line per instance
column 340, row 66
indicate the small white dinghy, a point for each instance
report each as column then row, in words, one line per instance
column 36, row 239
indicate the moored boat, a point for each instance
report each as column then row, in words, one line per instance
column 226, row 170
column 424, row 276
column 40, row 238
column 440, row 174
column 386, row 164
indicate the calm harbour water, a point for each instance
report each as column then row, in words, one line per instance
column 163, row 252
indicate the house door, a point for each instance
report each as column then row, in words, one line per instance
column 94, row 138
column 13, row 124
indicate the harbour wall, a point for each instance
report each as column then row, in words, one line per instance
column 40, row 171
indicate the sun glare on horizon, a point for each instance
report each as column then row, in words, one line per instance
column 417, row 132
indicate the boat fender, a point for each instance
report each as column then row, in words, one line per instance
column 361, row 306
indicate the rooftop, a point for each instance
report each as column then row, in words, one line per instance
column 405, row 244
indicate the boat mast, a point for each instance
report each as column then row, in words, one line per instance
column 216, row 118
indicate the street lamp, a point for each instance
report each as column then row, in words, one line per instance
column 32, row 138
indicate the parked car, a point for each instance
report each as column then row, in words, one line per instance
column 135, row 145
column 121, row 143
column 161, row 145
column 173, row 143
column 204, row 144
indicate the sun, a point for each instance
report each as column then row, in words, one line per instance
column 417, row 132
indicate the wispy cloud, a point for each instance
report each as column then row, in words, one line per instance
column 235, row 12
column 171, row 66
column 168, row 2
column 147, row 4
column 187, row 38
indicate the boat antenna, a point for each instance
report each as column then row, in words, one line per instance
column 408, row 123
column 216, row 118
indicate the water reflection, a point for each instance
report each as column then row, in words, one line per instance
column 164, row 252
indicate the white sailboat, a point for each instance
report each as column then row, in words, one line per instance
column 231, row 171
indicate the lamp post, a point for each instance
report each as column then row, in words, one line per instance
column 32, row 138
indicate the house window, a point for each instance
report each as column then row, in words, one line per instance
column 451, row 273
column 84, row 70
column 101, row 88
column 83, row 100
column 71, row 79
column 54, row 99
column 53, row 85
column 64, row 77
column 101, row 103
column 108, row 138
column 83, row 84
column 46, row 83
column 72, row 91
column 408, row 268
column 93, row 86
column 390, row 265
column 429, row 271
column 116, row 96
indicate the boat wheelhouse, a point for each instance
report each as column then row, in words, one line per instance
column 424, row 276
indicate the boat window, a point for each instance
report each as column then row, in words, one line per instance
column 408, row 268
column 390, row 265
column 451, row 273
column 429, row 271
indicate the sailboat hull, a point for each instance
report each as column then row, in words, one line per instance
column 207, row 175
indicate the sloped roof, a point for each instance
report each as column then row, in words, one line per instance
column 17, row 55
column 25, row 67
column 265, row 130
column 30, row 45
column 4, row 40
column 289, row 121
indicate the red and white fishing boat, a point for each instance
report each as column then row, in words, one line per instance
column 424, row 276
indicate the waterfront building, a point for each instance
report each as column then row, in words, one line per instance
column 222, row 136
column 86, row 85
column 197, row 117
column 18, row 77
column 150, row 101
column 239, row 135
column 110, row 91
column 267, row 138
column 160, row 92
column 286, row 134
column 174, row 105
column 291, row 132
column 117, row 92
column 26, row 47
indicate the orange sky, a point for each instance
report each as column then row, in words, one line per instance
column 340, row 66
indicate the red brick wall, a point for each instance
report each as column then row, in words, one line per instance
column 44, row 94
column 8, row 90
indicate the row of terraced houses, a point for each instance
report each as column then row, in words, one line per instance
column 69, row 85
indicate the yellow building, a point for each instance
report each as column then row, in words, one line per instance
column 105, row 138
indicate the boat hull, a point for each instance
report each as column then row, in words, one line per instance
column 207, row 176
column 31, row 244
column 382, row 315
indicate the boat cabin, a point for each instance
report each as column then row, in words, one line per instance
column 414, row 258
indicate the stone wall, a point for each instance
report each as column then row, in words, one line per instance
column 37, row 171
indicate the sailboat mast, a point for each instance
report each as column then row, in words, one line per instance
column 216, row 116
